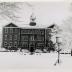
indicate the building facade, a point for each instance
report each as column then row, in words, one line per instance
column 11, row 36
column 32, row 38
column 15, row 38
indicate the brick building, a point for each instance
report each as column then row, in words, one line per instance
column 15, row 37
column 11, row 35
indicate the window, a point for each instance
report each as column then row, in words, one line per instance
column 25, row 44
column 15, row 37
column 5, row 43
column 11, row 30
column 10, row 37
column 32, row 38
column 6, row 30
column 16, row 30
column 42, row 32
column 10, row 44
column 5, row 37
column 25, row 31
column 24, row 38
column 40, row 44
column 40, row 38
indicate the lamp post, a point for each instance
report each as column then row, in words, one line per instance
column 58, row 42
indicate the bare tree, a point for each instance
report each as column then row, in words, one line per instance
column 8, row 10
column 67, row 29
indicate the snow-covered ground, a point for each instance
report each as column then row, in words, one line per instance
column 17, row 60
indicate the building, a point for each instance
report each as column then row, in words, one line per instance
column 15, row 37
column 11, row 36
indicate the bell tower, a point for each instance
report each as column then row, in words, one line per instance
column 32, row 17
column 32, row 20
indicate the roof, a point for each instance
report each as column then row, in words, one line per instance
column 11, row 25
column 52, row 26
column 27, row 26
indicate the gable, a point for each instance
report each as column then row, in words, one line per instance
column 52, row 26
column 11, row 25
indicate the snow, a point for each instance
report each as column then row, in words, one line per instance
column 38, row 51
column 20, row 60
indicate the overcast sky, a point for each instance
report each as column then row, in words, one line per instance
column 46, row 13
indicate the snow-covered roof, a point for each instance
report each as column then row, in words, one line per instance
column 27, row 26
column 11, row 25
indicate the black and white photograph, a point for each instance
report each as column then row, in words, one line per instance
column 36, row 35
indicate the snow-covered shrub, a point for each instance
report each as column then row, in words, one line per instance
column 38, row 51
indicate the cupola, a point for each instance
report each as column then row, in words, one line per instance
column 32, row 20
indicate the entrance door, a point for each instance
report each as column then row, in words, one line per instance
column 32, row 47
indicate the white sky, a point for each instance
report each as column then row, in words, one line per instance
column 46, row 13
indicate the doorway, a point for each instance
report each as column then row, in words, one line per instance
column 32, row 47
